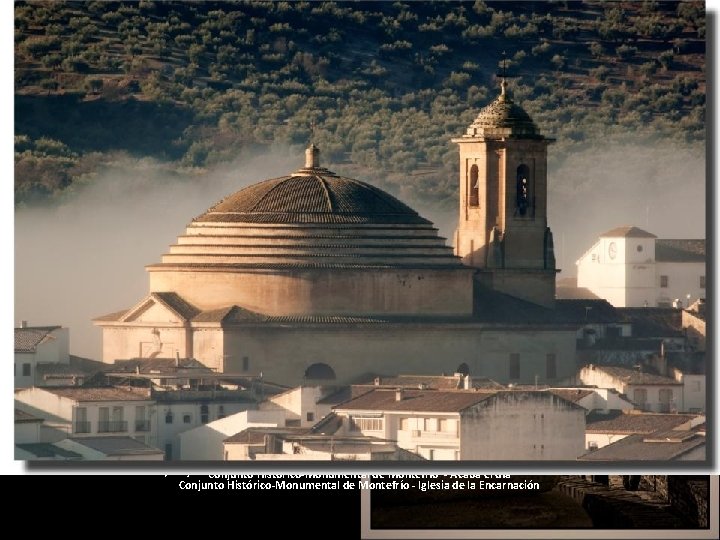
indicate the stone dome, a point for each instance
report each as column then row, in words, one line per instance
column 310, row 218
column 312, row 195
column 503, row 118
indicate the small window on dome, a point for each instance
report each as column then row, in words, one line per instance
column 474, row 195
column 639, row 248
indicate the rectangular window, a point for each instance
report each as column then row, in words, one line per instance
column 448, row 425
column 187, row 419
column 431, row 424
column 310, row 417
column 702, row 282
column 666, row 400
column 246, row 363
column 26, row 370
column 168, row 451
column 366, row 424
column 640, row 397
column 221, row 411
column 168, row 417
column 550, row 366
column 664, row 280
column 141, row 421
column 514, row 366
column 81, row 423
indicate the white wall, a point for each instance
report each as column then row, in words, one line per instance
column 683, row 279
column 54, row 349
column 169, row 433
column 27, row 432
column 694, row 397
column 602, row 439
column 523, row 426
column 205, row 443
column 297, row 403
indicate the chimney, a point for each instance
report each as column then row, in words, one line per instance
column 467, row 383
column 377, row 381
column 399, row 394
column 177, row 358
column 23, row 324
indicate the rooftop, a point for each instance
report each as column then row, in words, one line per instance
column 632, row 376
column 572, row 394
column 648, row 448
column 415, row 400
column 679, row 250
column 48, row 451
column 620, row 422
column 256, row 435
column 98, row 394
column 117, row 446
column 312, row 195
column 158, row 366
column 503, row 117
column 28, row 338
column 22, row 417
column 587, row 310
column 653, row 322
column 627, row 231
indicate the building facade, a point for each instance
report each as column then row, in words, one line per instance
column 316, row 277
column 38, row 346
column 630, row 267
column 469, row 425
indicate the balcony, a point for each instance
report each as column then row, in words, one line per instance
column 82, row 427
column 112, row 426
column 142, row 425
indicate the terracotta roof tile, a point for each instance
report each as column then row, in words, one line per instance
column 619, row 422
column 627, row 232
column 83, row 393
column 27, row 339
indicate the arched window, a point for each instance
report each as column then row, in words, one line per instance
column 523, row 189
column 320, row 371
column 474, row 191
column 463, row 369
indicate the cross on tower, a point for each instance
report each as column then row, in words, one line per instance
column 313, row 125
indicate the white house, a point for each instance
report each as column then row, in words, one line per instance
column 300, row 407
column 630, row 267
column 38, row 345
column 205, row 443
column 469, row 424
column 649, row 392
column 90, row 412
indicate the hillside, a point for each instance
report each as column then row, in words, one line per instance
column 386, row 84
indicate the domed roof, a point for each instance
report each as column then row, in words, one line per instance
column 503, row 117
column 311, row 218
column 312, row 195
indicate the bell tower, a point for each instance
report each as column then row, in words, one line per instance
column 502, row 226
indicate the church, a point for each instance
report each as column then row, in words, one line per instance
column 314, row 277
